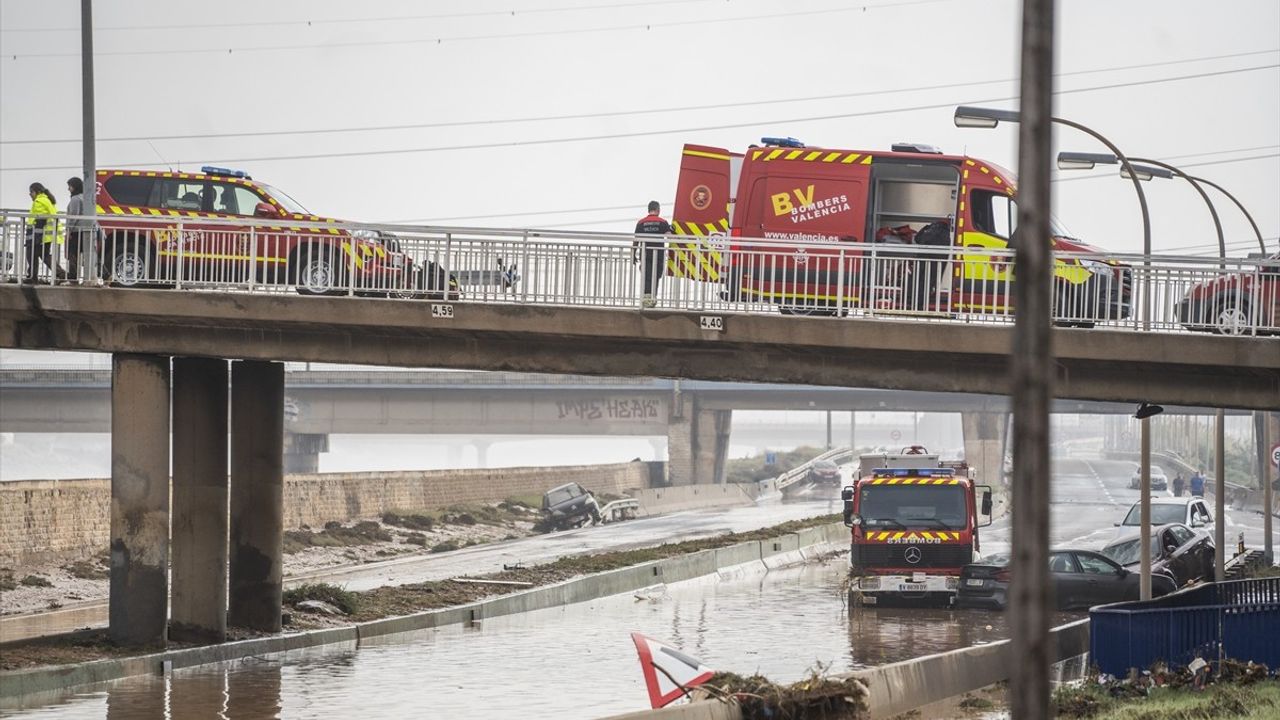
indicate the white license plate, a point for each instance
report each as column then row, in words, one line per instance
column 973, row 582
column 911, row 587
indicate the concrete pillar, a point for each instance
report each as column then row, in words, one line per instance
column 199, row 532
column 984, row 444
column 257, row 494
column 697, row 444
column 139, row 608
column 482, row 452
column 302, row 452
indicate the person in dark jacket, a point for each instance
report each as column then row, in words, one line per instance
column 79, row 230
column 654, row 251
column 1178, row 484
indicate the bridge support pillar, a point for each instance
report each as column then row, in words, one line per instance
column 199, row 532
column 139, row 595
column 697, row 444
column 257, row 494
column 984, row 444
column 302, row 452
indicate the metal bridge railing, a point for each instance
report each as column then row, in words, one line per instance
column 602, row 270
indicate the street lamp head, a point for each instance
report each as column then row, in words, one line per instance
column 1146, row 410
column 1084, row 161
column 1145, row 172
column 968, row 116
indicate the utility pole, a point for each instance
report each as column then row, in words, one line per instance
column 1032, row 363
column 88, row 136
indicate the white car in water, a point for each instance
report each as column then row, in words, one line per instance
column 1190, row 511
column 1159, row 481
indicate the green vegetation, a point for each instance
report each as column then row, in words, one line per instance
column 1260, row 701
column 753, row 469
column 446, row 546
column 86, row 570
column 413, row 521
column 335, row 535
column 345, row 600
column 35, row 581
column 7, row 583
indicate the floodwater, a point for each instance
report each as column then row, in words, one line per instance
column 570, row 662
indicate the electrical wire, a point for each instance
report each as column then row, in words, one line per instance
column 621, row 113
column 646, row 27
column 674, row 131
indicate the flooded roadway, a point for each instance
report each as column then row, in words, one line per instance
column 578, row 661
column 572, row 662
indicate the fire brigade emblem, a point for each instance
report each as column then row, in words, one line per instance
column 912, row 555
column 700, row 198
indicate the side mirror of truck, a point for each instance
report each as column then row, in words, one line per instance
column 846, row 495
column 986, row 503
column 265, row 210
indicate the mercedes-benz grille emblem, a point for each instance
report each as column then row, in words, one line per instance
column 912, row 555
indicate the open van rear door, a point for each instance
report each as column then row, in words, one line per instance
column 704, row 206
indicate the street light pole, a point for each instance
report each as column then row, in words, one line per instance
column 90, row 198
column 1032, row 366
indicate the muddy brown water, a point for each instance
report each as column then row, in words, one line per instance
column 572, row 662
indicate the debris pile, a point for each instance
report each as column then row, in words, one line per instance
column 817, row 696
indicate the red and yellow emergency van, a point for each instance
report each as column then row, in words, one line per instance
column 220, row 225
column 842, row 206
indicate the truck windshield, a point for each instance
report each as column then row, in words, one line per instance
column 285, row 201
column 913, row 506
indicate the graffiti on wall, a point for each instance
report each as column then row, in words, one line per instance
column 610, row 409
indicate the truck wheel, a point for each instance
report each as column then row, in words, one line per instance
column 1232, row 317
column 318, row 272
column 128, row 267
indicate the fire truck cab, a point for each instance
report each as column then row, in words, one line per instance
column 841, row 206
column 914, row 524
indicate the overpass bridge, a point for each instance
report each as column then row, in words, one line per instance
column 575, row 311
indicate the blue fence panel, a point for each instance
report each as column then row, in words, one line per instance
column 1241, row 617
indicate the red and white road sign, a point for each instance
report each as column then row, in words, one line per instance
column 667, row 671
column 1275, row 455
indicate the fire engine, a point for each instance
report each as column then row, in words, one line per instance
column 221, row 225
column 914, row 521
column 837, row 204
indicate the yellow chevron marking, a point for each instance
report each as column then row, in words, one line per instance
column 794, row 154
column 724, row 224
column 711, row 227
column 926, row 535
column 699, row 153
column 970, row 163
column 812, row 155
column 755, row 155
column 893, row 481
column 850, row 158
column 866, row 160
column 997, row 179
column 898, row 535
column 773, row 155
column 135, row 211
column 694, row 229
column 984, row 170
column 153, row 211
column 831, row 157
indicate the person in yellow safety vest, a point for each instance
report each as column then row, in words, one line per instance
column 43, row 233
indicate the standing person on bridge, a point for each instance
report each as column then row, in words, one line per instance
column 1178, row 484
column 655, row 251
column 1197, row 483
column 79, row 230
column 43, row 233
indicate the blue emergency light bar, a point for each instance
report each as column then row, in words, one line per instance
column 782, row 142
column 923, row 472
column 225, row 172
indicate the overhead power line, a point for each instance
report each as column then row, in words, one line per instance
column 620, row 113
column 674, row 131
column 639, row 26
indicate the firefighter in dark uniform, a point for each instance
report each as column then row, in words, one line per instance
column 654, row 251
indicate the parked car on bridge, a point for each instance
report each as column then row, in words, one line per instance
column 1190, row 511
column 1177, row 550
column 1237, row 303
column 569, row 506
column 218, row 226
column 1159, row 481
column 1080, row 579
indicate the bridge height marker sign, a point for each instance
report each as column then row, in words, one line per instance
column 1275, row 455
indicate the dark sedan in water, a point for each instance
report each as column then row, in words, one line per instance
column 1080, row 579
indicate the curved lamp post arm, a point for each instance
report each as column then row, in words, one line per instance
column 1142, row 203
column 1195, row 183
column 1262, row 245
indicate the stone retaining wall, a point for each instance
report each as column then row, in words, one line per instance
column 66, row 520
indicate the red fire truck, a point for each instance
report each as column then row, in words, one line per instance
column 220, row 225
column 840, row 205
column 914, row 523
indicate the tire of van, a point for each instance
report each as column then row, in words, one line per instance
column 130, row 264
column 318, row 271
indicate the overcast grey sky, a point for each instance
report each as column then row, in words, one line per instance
column 631, row 72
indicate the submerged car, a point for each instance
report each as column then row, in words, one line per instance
column 1080, row 579
column 824, row 471
column 1176, row 550
column 569, row 506
column 1190, row 511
